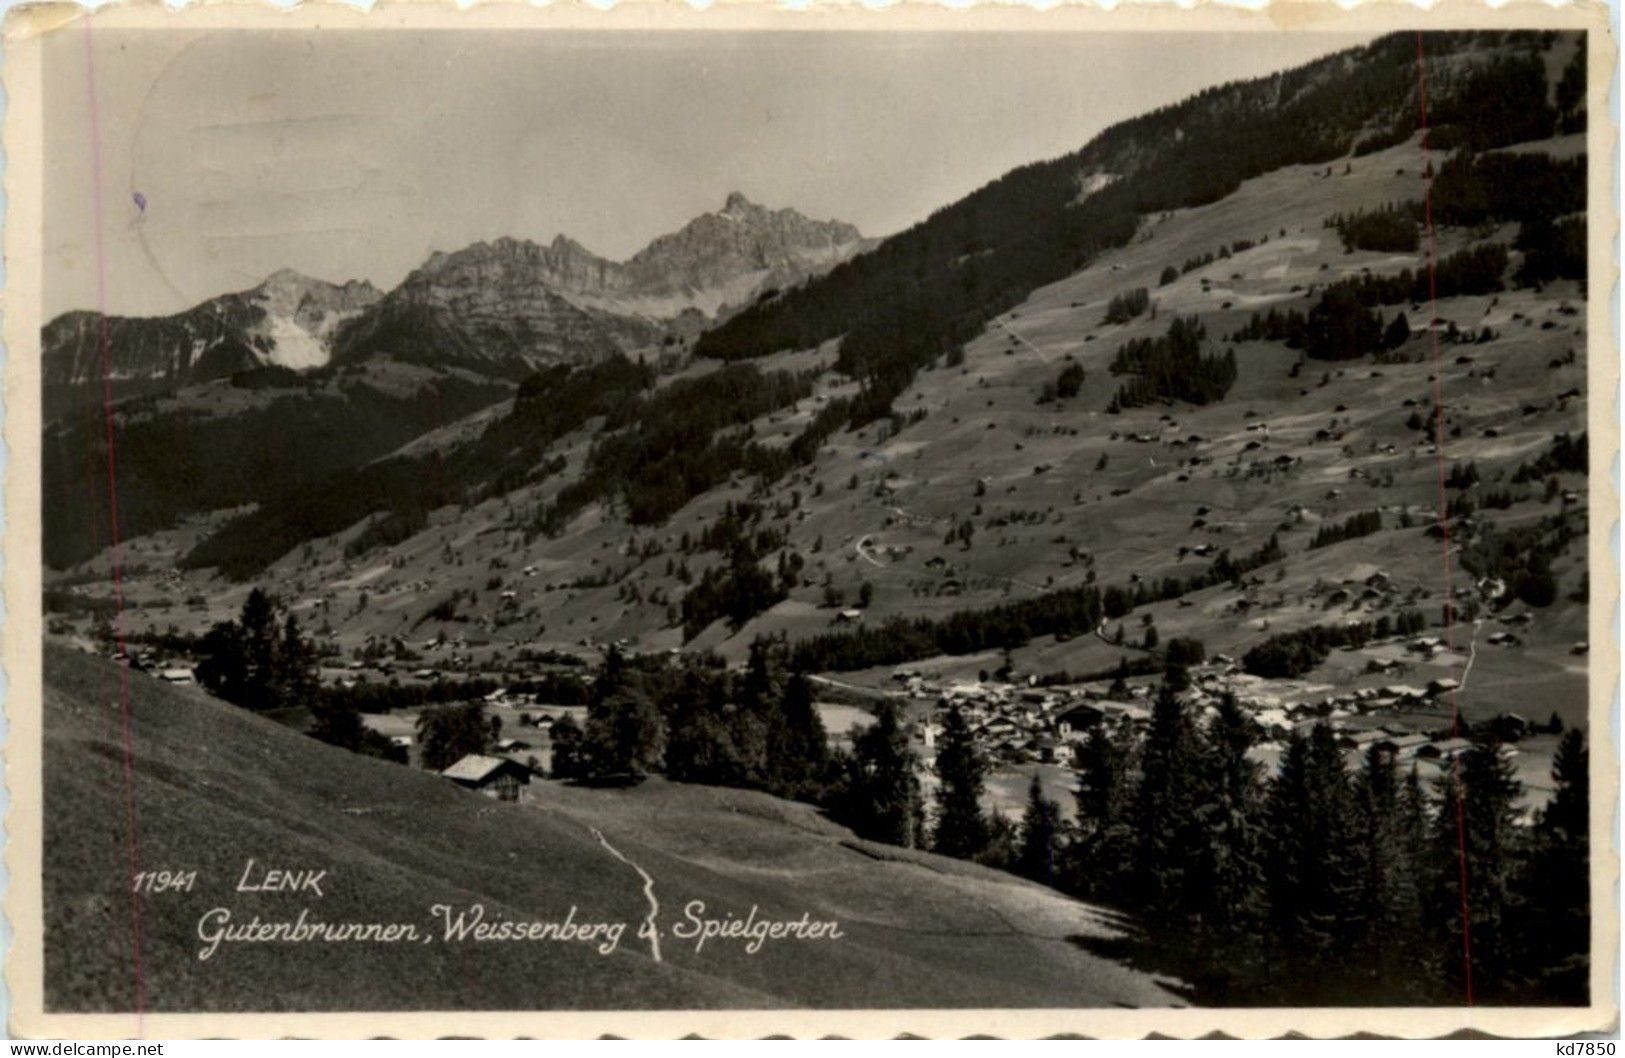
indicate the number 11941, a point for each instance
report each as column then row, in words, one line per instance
column 165, row 881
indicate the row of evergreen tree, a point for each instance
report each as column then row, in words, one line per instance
column 1287, row 655
column 1311, row 885
column 1063, row 614
column 1343, row 323
column 1126, row 306
column 262, row 661
column 1355, row 525
column 1308, row 886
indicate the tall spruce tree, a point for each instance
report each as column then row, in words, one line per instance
column 1391, row 823
column 799, row 744
column 1038, row 857
column 1477, row 836
column 1098, row 861
column 258, row 661
column 1554, row 886
column 1312, row 870
column 1165, row 805
column 296, row 682
column 1228, row 891
column 961, row 827
column 881, row 799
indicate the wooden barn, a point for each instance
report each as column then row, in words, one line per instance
column 496, row 777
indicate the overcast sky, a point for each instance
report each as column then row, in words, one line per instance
column 346, row 155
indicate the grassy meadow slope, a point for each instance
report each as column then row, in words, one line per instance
column 214, row 785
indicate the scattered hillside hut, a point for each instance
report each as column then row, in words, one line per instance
column 495, row 777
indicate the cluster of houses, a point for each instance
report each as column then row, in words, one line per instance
column 170, row 670
column 1023, row 723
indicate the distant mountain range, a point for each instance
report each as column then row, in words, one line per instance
column 501, row 308
column 346, row 378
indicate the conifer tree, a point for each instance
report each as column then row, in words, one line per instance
column 799, row 744
column 1554, row 885
column 962, row 828
column 881, row 795
column 1165, row 803
column 296, row 681
column 1040, row 836
column 1313, row 873
column 1099, row 860
column 1476, row 835
column 1391, row 822
column 1228, row 889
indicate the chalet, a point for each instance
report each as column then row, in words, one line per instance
column 1443, row 685
column 1404, row 745
column 177, row 675
column 403, row 741
column 495, row 777
column 997, row 729
column 848, row 616
column 512, row 745
column 1078, row 721
column 1445, row 749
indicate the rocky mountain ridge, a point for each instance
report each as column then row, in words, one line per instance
column 503, row 307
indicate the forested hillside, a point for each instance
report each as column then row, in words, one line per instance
column 924, row 292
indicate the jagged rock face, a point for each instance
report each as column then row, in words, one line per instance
column 508, row 306
column 286, row 321
column 715, row 261
column 744, row 238
column 316, row 307
column 490, row 306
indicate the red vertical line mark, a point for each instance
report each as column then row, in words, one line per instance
column 1444, row 520
column 134, row 845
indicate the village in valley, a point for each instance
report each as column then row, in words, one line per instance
column 1400, row 696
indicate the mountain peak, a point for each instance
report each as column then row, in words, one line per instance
column 287, row 279
column 290, row 285
column 737, row 203
column 563, row 244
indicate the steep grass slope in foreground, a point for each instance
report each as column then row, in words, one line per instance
column 215, row 786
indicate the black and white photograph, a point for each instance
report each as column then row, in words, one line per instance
column 810, row 517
